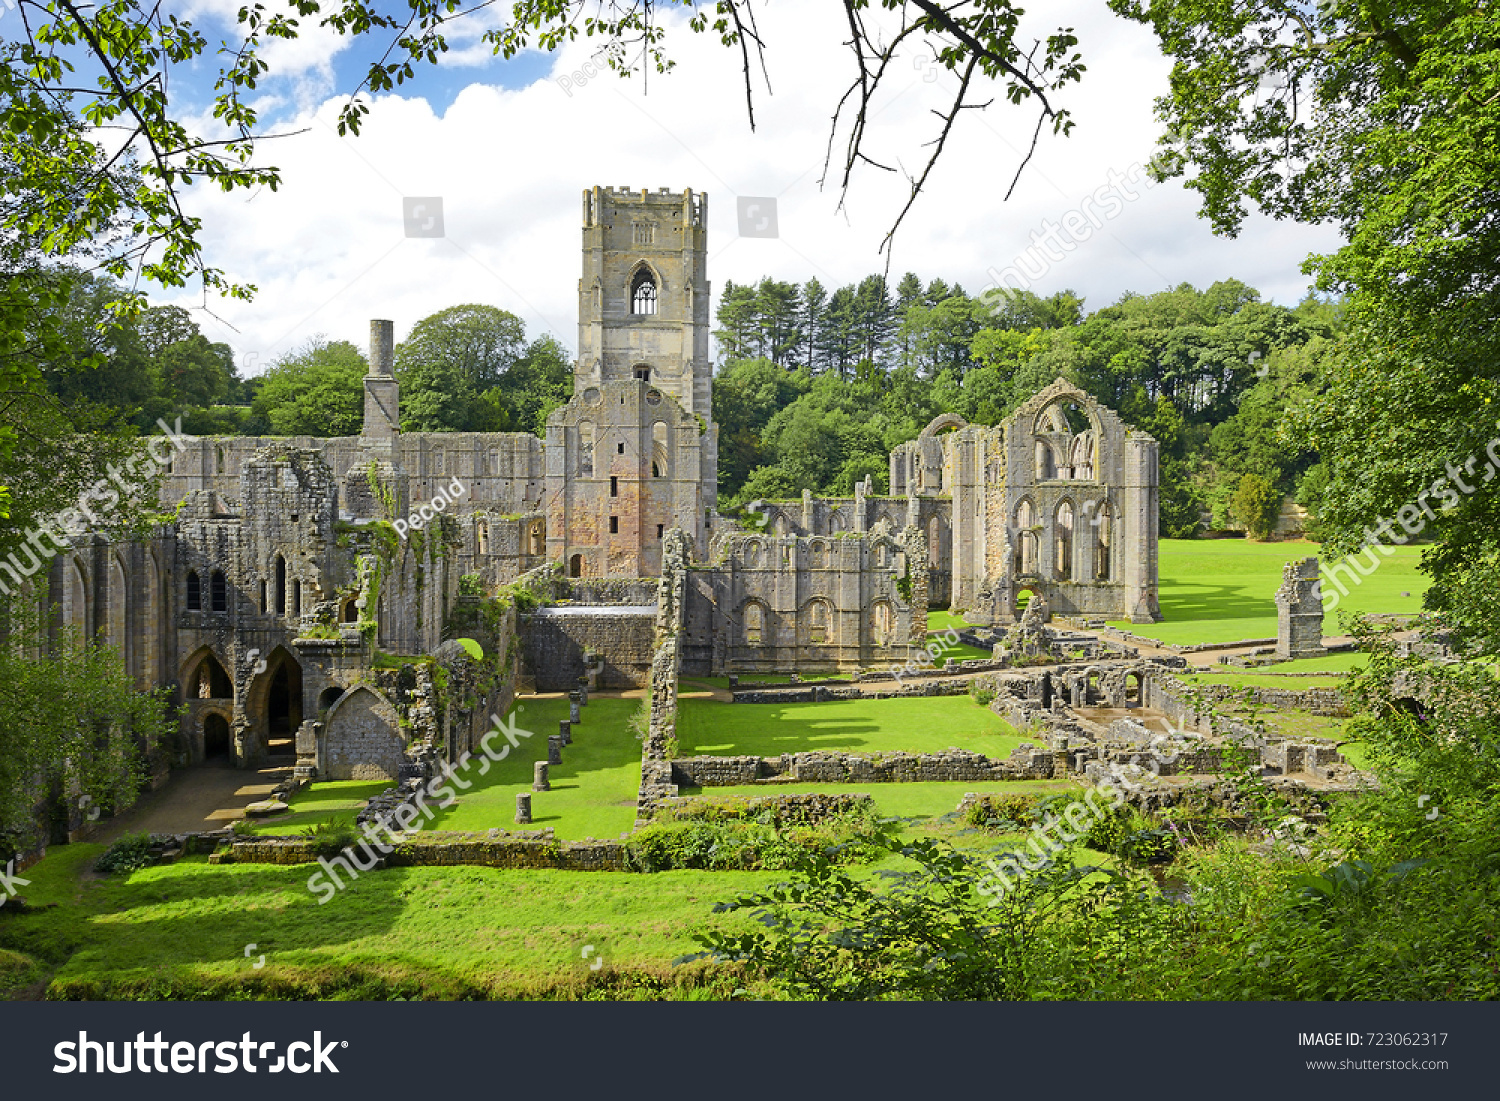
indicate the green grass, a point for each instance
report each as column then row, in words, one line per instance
column 445, row 930
column 593, row 791
column 1346, row 662
column 318, row 803
column 1261, row 680
column 942, row 620
column 919, row 725
column 1223, row 590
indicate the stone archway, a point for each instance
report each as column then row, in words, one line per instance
column 217, row 745
column 362, row 738
column 273, row 708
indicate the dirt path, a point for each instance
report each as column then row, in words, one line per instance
column 205, row 797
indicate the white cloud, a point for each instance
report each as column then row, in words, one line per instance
column 328, row 252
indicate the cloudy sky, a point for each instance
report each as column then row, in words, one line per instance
column 509, row 148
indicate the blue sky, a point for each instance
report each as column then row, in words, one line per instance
column 509, row 147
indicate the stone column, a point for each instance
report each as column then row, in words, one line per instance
column 574, row 712
column 554, row 749
column 539, row 777
column 523, row 808
column 565, row 731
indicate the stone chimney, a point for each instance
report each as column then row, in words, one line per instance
column 382, row 393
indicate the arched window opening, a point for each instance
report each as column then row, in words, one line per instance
column 585, row 448
column 351, row 611
column 754, row 624
column 817, row 622
column 280, row 585
column 194, row 592
column 218, row 591
column 575, row 566
column 1062, row 538
column 1104, row 543
column 643, row 374
column 643, row 293
column 296, row 598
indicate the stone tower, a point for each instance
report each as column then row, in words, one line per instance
column 635, row 453
column 1299, row 611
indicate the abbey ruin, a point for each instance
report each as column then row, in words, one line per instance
column 298, row 572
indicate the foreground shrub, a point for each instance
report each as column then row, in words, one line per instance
column 129, row 853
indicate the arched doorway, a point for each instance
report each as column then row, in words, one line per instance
column 215, row 739
column 273, row 708
column 284, row 709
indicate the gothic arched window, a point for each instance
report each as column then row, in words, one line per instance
column 643, row 292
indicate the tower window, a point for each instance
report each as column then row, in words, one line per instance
column 619, row 449
column 614, row 487
column 645, row 233
column 194, row 592
column 643, row 293
column 218, row 592
column 643, row 373
column 614, row 525
column 659, row 528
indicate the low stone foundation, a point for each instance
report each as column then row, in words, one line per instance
column 1027, row 763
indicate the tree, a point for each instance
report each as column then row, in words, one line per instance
column 71, row 722
column 1383, row 118
column 1256, row 504
column 450, row 361
column 315, row 391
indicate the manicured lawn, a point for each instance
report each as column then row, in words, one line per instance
column 1262, row 680
column 320, row 802
column 1223, row 590
column 1332, row 663
column 593, row 791
column 920, row 725
column 493, row 931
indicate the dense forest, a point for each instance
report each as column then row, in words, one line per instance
column 812, row 389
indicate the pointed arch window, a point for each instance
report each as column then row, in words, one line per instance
column 643, row 292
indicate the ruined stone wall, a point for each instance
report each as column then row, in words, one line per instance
column 556, row 640
column 784, row 604
column 1027, row 762
column 502, row 471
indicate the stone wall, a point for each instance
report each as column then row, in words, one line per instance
column 1027, row 762
column 555, row 641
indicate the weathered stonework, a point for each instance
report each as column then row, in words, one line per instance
column 1299, row 612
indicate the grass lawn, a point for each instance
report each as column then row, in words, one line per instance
column 1223, row 590
column 593, row 791
column 1331, row 663
column 1261, row 680
column 919, row 725
column 443, row 931
column 320, row 802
